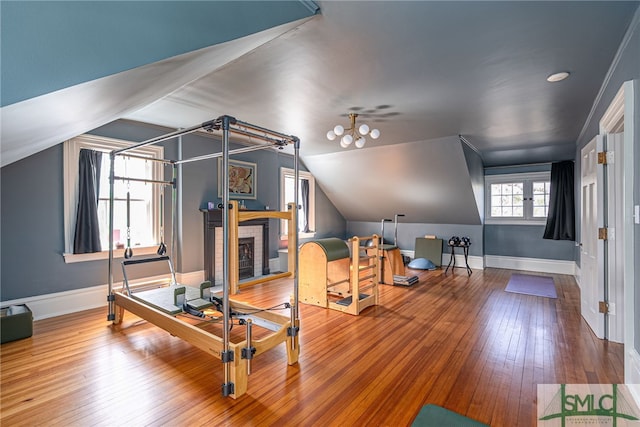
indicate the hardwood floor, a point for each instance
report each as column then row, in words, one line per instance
column 456, row 341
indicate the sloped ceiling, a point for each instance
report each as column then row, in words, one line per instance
column 427, row 181
column 421, row 72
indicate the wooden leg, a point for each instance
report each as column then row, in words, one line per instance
column 239, row 376
column 292, row 353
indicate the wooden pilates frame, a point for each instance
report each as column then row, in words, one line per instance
column 236, row 370
column 323, row 281
column 235, row 218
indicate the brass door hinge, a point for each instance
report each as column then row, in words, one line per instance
column 602, row 158
column 603, row 307
column 603, row 234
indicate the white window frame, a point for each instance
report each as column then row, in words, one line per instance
column 527, row 179
column 312, row 203
column 71, row 156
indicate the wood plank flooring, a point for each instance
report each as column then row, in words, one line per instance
column 456, row 341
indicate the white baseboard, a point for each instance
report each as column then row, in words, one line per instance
column 632, row 374
column 531, row 264
column 67, row 302
column 578, row 275
column 60, row 303
column 475, row 262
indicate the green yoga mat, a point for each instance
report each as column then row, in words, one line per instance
column 436, row 416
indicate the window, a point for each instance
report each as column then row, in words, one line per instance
column 517, row 198
column 144, row 198
column 306, row 199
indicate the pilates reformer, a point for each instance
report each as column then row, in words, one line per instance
column 340, row 276
column 183, row 301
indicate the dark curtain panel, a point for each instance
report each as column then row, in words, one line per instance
column 304, row 189
column 87, row 236
column 561, row 217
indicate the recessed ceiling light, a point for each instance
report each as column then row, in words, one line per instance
column 558, row 76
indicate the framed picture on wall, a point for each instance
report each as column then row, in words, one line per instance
column 242, row 179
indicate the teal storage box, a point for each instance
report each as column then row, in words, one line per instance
column 16, row 322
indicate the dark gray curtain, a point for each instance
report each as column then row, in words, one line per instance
column 304, row 189
column 561, row 217
column 87, row 236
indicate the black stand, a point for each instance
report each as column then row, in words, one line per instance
column 465, row 250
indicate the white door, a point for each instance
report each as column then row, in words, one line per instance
column 615, row 240
column 591, row 248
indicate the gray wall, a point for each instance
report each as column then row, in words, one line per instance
column 524, row 240
column 32, row 213
column 476, row 174
column 407, row 233
column 627, row 68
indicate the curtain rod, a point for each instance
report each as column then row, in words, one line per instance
column 519, row 166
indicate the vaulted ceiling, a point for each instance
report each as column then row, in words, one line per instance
column 421, row 72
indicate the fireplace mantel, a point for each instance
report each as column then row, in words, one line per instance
column 213, row 219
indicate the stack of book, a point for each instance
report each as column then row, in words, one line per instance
column 405, row 280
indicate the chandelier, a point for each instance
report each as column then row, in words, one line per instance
column 352, row 134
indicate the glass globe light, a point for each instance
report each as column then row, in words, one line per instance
column 375, row 133
column 338, row 130
column 342, row 144
column 360, row 142
column 347, row 139
column 364, row 129
column 331, row 135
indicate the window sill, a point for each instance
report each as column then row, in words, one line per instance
column 515, row 222
column 117, row 254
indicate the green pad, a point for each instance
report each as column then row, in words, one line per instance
column 348, row 300
column 436, row 416
column 430, row 249
column 16, row 322
column 163, row 299
column 333, row 247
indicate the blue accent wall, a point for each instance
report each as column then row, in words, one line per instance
column 50, row 45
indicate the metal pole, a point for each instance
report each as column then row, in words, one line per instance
column 161, row 138
column 151, row 159
column 227, row 388
column 147, row 181
column 111, row 315
column 382, row 229
column 265, row 130
column 177, row 230
column 395, row 231
column 295, row 321
column 174, row 207
column 249, row 344
column 236, row 151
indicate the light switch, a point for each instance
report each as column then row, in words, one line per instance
column 636, row 214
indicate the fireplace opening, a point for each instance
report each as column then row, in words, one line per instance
column 245, row 257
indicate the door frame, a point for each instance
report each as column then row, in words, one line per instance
column 592, row 285
column 622, row 107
